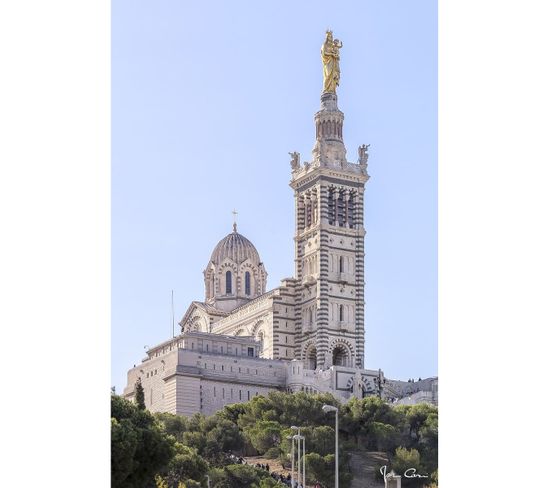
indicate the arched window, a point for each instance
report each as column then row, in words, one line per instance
column 247, row 283
column 340, row 356
column 228, row 282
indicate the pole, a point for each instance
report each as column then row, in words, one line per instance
column 299, row 459
column 336, row 458
column 304, row 462
column 292, row 471
column 173, row 329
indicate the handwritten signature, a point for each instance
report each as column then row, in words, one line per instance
column 409, row 473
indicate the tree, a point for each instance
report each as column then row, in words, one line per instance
column 386, row 436
column 139, row 395
column 264, row 434
column 186, row 465
column 139, row 447
column 406, row 460
column 417, row 415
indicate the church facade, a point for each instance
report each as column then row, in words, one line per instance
column 305, row 335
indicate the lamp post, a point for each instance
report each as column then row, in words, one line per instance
column 301, row 479
column 326, row 409
column 293, row 427
column 291, row 439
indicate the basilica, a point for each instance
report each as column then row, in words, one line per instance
column 308, row 333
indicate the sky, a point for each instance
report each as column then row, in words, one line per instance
column 209, row 97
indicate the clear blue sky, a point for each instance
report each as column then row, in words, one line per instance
column 208, row 98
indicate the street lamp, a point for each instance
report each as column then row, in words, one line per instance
column 303, row 439
column 291, row 439
column 326, row 409
column 293, row 427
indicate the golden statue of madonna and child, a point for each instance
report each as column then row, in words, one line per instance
column 330, row 55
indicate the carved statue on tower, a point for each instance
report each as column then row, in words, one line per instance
column 330, row 55
column 295, row 160
column 364, row 154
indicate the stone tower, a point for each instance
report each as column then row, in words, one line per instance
column 329, row 246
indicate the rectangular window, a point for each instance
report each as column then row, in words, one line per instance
column 214, row 392
column 251, row 351
column 248, row 394
column 240, row 395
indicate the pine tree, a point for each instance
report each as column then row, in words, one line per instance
column 140, row 395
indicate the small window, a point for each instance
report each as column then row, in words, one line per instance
column 251, row 351
column 228, row 283
column 240, row 395
column 248, row 392
column 341, row 312
column 247, row 283
column 341, row 264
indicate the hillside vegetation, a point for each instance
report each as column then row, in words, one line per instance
column 166, row 451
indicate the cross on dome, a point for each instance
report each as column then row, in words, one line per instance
column 234, row 220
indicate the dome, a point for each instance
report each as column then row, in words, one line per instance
column 235, row 247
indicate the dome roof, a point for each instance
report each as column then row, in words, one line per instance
column 235, row 247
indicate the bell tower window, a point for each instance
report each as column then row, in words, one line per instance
column 247, row 283
column 228, row 288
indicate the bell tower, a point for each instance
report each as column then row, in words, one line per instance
column 329, row 236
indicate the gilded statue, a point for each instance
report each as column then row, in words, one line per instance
column 330, row 55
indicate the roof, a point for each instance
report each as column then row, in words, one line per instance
column 235, row 247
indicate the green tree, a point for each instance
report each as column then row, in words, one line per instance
column 386, row 436
column 408, row 459
column 321, row 440
column 264, row 435
column 417, row 416
column 185, row 465
column 222, row 437
column 139, row 395
column 139, row 447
